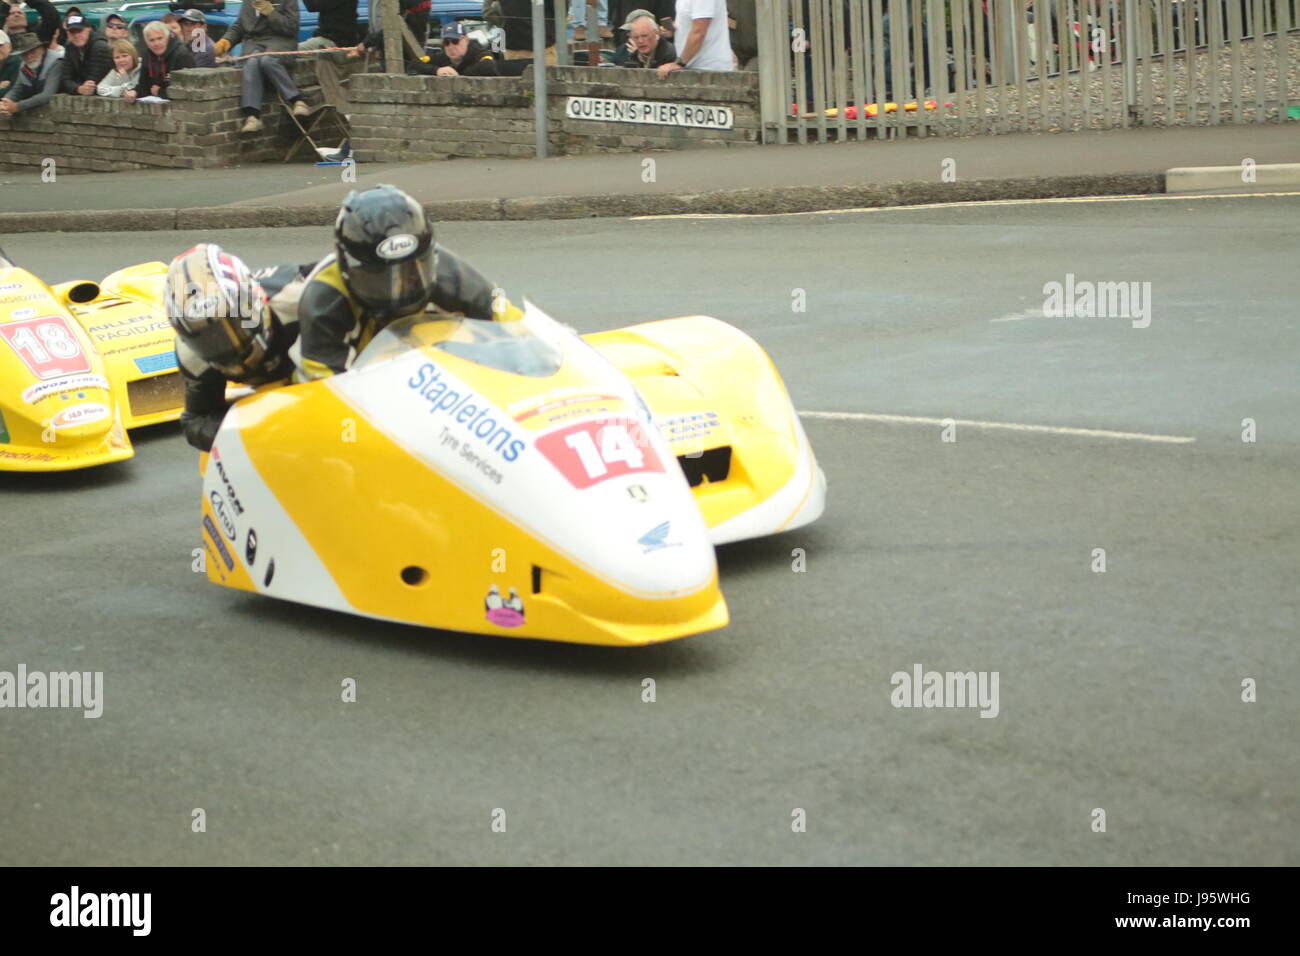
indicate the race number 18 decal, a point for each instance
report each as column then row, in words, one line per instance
column 46, row 346
column 592, row 451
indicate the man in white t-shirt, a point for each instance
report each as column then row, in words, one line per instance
column 702, row 39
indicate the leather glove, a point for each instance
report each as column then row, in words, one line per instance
column 263, row 7
column 222, row 47
column 201, row 430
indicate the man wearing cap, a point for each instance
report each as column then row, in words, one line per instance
column 114, row 27
column 38, row 79
column 265, row 27
column 646, row 48
column 86, row 59
column 194, row 34
column 460, row 56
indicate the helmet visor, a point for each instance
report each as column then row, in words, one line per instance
column 392, row 288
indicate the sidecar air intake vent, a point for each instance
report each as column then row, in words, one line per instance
column 148, row 396
column 712, row 465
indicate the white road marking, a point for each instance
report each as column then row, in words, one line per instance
column 1021, row 316
column 1137, row 197
column 1005, row 426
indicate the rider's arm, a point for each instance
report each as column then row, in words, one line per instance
column 326, row 319
column 462, row 288
column 205, row 398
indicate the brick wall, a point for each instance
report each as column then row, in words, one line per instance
column 198, row 129
column 394, row 119
column 416, row 118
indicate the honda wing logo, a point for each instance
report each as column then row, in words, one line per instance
column 656, row 539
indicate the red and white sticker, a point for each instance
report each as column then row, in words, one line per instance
column 599, row 449
column 47, row 346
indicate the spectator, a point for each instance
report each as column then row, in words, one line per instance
column 265, row 27
column 125, row 75
column 114, row 27
column 172, row 21
column 38, row 79
column 163, row 55
column 61, row 35
column 86, row 59
column 744, row 32
column 645, row 49
column 194, row 34
column 338, row 27
column 338, row 24
column 416, row 15
column 15, row 19
column 578, row 19
column 460, row 56
column 9, row 65
column 620, row 12
column 517, row 21
column 702, row 39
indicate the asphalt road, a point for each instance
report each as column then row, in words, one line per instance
column 1119, row 690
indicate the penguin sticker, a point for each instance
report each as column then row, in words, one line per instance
column 507, row 612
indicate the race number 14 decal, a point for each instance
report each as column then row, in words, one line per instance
column 46, row 346
column 594, row 451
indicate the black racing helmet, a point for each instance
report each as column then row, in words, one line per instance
column 386, row 251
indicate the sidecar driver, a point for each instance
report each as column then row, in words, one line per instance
column 385, row 266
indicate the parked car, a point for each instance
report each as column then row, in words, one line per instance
column 221, row 14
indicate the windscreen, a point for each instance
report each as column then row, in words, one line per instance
column 506, row 346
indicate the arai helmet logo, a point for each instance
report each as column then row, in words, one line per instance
column 397, row 247
column 219, row 507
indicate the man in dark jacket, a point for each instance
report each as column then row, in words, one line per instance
column 86, row 59
column 338, row 24
column 517, row 21
column 162, row 56
column 649, row 50
column 265, row 27
column 460, row 56
column 38, row 79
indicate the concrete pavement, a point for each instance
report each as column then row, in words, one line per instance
column 758, row 180
column 1120, row 691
